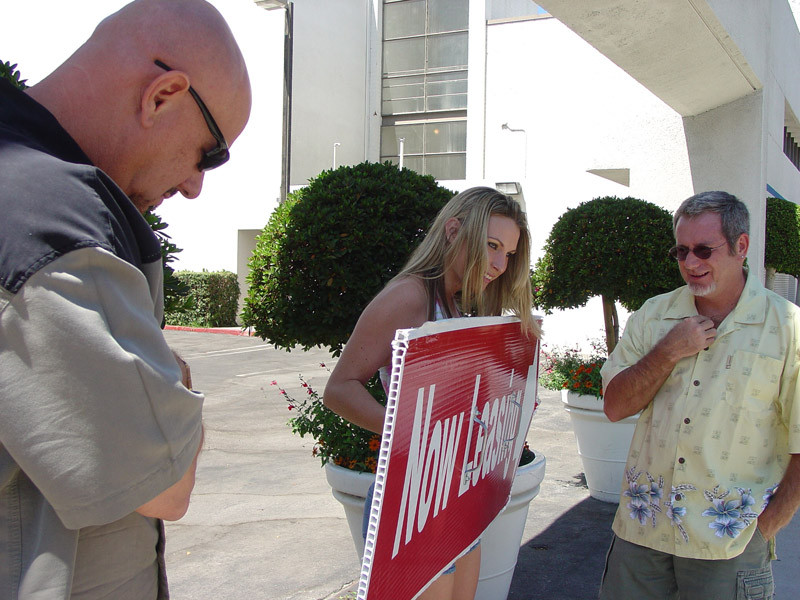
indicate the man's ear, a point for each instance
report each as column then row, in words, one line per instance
column 161, row 94
column 451, row 229
column 742, row 245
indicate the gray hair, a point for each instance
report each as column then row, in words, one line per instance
column 733, row 213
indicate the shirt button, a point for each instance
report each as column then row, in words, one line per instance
column 696, row 382
column 681, row 460
column 687, row 420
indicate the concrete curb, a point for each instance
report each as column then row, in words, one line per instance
column 227, row 330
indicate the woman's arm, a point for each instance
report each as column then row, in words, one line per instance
column 402, row 304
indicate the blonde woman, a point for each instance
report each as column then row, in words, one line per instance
column 474, row 261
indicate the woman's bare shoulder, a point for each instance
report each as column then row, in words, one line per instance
column 404, row 299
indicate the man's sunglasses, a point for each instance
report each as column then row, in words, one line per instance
column 702, row 252
column 216, row 156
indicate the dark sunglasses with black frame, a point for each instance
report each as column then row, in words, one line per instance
column 218, row 155
column 680, row 253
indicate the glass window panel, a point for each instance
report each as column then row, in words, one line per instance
column 447, row 15
column 447, row 166
column 390, row 139
column 508, row 9
column 450, row 136
column 440, row 88
column 449, row 50
column 414, row 163
column 451, row 102
column 403, row 87
column 454, row 75
column 403, row 105
column 404, row 55
column 401, row 19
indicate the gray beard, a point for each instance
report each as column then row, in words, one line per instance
column 702, row 290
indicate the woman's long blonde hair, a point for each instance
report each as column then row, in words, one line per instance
column 435, row 255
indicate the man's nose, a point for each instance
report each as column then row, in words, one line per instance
column 192, row 186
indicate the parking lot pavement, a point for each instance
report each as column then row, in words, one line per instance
column 263, row 524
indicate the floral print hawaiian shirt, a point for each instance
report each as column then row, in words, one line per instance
column 710, row 449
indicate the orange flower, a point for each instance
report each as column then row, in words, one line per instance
column 374, row 443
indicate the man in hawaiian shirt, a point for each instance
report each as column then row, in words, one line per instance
column 713, row 472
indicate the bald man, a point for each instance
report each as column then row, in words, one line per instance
column 99, row 431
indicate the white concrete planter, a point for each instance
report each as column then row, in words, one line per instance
column 602, row 445
column 350, row 488
column 499, row 543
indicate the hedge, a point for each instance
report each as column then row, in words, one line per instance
column 216, row 299
column 782, row 239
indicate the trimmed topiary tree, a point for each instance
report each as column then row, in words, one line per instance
column 611, row 247
column 782, row 239
column 330, row 247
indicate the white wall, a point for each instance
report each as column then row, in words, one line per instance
column 579, row 112
column 330, row 86
column 239, row 195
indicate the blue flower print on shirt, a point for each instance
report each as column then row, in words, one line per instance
column 768, row 494
column 730, row 516
column 725, row 525
column 729, row 509
column 645, row 497
column 674, row 513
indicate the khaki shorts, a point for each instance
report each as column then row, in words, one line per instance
column 633, row 571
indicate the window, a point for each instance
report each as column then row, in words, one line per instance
column 435, row 148
column 791, row 135
column 425, row 73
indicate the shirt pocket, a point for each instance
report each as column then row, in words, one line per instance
column 753, row 381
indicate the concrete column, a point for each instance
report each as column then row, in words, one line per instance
column 726, row 152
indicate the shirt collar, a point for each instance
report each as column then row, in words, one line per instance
column 21, row 114
column 751, row 307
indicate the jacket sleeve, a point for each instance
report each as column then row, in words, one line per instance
column 92, row 407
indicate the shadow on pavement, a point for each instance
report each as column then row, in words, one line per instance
column 565, row 561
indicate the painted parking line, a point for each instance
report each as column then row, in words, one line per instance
column 254, row 373
column 229, row 352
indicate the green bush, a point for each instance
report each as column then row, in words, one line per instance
column 782, row 239
column 331, row 247
column 611, row 247
column 216, row 299
column 176, row 293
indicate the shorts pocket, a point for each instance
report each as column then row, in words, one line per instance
column 755, row 585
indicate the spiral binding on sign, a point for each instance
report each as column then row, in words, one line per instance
column 399, row 348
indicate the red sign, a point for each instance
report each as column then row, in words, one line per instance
column 462, row 395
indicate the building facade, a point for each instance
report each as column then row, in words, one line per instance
column 557, row 102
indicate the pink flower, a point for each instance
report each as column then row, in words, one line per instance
column 291, row 406
column 273, row 382
column 322, row 365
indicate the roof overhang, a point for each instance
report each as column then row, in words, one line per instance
column 677, row 49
